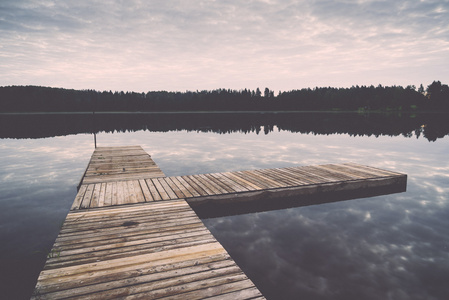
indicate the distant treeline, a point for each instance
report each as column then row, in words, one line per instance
column 430, row 126
column 367, row 98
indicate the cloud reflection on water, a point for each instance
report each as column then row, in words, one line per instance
column 388, row 247
column 384, row 247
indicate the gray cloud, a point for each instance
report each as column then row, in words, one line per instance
column 177, row 45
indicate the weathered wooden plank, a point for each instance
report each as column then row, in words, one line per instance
column 231, row 185
column 247, row 180
column 87, row 196
column 247, row 175
column 242, row 181
column 128, row 226
column 95, row 195
column 297, row 175
column 272, row 174
column 102, row 195
column 198, row 286
column 171, row 226
column 86, row 220
column 263, row 179
column 121, row 218
column 211, row 185
column 132, row 208
column 366, row 172
column 140, row 198
column 132, row 192
column 120, row 193
column 145, row 191
column 119, row 177
column 351, row 174
column 199, row 182
column 217, row 184
column 174, row 187
column 371, row 170
column 186, row 193
column 102, row 268
column 242, row 292
column 313, row 178
column 79, row 197
column 292, row 179
column 213, row 287
column 114, row 200
column 126, row 251
column 163, row 186
column 146, row 233
column 153, row 190
column 140, row 276
column 195, row 185
column 121, row 224
column 118, row 244
column 118, row 165
column 326, row 175
column 190, row 188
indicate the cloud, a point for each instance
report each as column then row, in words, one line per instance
column 179, row 45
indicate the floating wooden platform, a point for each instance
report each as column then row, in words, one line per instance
column 131, row 232
column 239, row 186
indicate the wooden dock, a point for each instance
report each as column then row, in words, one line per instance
column 131, row 232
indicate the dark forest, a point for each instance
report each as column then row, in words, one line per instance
column 357, row 98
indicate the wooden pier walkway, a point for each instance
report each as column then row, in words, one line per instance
column 109, row 164
column 131, row 232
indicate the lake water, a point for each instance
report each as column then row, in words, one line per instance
column 386, row 247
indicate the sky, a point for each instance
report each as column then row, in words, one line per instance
column 142, row 46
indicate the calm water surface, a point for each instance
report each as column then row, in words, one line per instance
column 386, row 247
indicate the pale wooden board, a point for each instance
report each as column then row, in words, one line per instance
column 246, row 176
column 155, row 249
column 79, row 197
column 263, row 178
column 226, row 184
column 199, row 181
column 298, row 176
column 313, row 178
column 87, row 196
column 145, row 191
column 195, row 185
column 160, row 189
column 118, row 164
column 274, row 177
column 153, row 190
column 371, row 170
column 178, row 193
column 295, row 179
column 241, row 181
column 214, row 184
column 186, row 191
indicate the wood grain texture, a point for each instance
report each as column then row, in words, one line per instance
column 151, row 250
column 109, row 164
